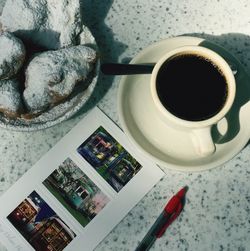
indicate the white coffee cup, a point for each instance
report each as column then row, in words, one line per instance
column 200, row 131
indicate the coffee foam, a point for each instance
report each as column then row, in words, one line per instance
column 184, row 54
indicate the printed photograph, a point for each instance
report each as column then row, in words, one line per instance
column 76, row 192
column 109, row 159
column 40, row 225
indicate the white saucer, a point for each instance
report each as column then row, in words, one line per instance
column 172, row 148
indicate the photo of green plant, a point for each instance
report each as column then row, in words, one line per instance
column 76, row 192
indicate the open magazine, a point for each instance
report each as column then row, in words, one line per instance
column 77, row 192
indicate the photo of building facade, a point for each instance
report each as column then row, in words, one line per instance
column 109, row 159
column 40, row 225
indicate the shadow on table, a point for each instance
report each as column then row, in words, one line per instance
column 93, row 14
column 235, row 49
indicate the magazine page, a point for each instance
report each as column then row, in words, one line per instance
column 77, row 192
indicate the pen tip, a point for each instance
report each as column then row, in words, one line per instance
column 182, row 192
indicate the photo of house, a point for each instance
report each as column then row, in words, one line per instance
column 40, row 225
column 109, row 159
column 76, row 192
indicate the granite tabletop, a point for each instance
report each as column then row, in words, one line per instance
column 217, row 211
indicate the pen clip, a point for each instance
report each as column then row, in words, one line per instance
column 173, row 216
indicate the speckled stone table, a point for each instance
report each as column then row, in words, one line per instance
column 217, row 211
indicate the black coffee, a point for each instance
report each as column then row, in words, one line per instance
column 191, row 87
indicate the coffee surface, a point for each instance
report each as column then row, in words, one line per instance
column 191, row 87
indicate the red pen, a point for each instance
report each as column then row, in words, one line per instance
column 168, row 215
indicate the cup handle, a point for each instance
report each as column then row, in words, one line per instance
column 203, row 141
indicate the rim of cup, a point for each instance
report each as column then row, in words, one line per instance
column 219, row 62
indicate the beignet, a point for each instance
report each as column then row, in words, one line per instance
column 12, row 55
column 10, row 98
column 51, row 76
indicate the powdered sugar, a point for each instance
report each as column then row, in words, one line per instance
column 52, row 75
column 10, row 98
column 12, row 55
column 51, row 24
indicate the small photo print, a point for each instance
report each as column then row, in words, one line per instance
column 109, row 158
column 40, row 225
column 76, row 192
